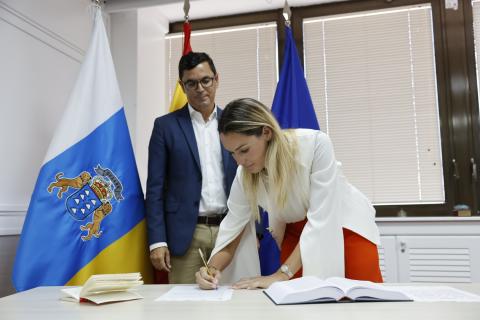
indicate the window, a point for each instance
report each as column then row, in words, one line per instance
column 476, row 33
column 394, row 84
column 372, row 79
column 245, row 58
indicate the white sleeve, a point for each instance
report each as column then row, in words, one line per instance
column 321, row 241
column 245, row 262
column 156, row 245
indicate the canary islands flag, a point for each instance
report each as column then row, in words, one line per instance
column 86, row 214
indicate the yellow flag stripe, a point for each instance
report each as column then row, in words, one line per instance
column 127, row 254
column 179, row 98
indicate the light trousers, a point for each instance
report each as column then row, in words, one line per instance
column 184, row 267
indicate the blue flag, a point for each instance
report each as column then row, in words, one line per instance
column 293, row 108
column 86, row 214
column 292, row 104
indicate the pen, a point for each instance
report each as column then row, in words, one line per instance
column 204, row 262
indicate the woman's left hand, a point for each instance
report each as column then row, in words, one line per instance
column 259, row 282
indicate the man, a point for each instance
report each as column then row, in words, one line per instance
column 189, row 175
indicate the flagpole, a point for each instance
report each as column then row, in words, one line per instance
column 97, row 3
column 187, row 29
column 179, row 99
column 287, row 13
column 186, row 9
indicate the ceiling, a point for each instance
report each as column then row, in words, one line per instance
column 173, row 9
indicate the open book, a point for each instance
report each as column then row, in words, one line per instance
column 315, row 290
column 103, row 288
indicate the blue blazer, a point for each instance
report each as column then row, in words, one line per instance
column 174, row 180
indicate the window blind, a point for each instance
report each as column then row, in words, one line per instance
column 245, row 58
column 373, row 83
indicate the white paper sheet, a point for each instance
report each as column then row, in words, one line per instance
column 194, row 293
column 437, row 294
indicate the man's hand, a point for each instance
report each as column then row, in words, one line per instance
column 160, row 258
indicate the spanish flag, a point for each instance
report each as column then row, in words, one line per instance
column 179, row 98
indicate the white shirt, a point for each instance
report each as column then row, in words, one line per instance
column 213, row 199
column 328, row 201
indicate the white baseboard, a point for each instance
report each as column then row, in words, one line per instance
column 11, row 222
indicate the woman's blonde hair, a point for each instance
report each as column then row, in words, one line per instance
column 249, row 117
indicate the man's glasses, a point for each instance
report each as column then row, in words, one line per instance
column 206, row 82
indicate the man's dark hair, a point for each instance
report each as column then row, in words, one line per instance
column 193, row 59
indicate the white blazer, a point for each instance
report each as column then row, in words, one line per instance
column 328, row 201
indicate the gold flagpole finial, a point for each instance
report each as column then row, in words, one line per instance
column 186, row 8
column 287, row 13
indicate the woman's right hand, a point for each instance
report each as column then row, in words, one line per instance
column 208, row 279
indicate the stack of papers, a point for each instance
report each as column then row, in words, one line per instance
column 103, row 288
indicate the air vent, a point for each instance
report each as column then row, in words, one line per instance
column 439, row 265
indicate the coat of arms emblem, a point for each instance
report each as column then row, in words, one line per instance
column 93, row 196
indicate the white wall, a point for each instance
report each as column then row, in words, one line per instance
column 138, row 49
column 43, row 44
column 123, row 40
column 151, row 98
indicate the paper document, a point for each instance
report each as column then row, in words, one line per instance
column 103, row 288
column 194, row 293
column 73, row 295
column 437, row 294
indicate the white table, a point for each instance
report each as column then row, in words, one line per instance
column 43, row 304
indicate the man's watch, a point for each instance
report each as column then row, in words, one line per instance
column 285, row 269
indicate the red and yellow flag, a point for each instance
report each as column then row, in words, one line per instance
column 179, row 98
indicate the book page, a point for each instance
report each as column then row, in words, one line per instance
column 115, row 296
column 349, row 284
column 438, row 294
column 111, row 282
column 101, row 288
column 194, row 293
column 73, row 294
column 303, row 290
column 104, row 286
column 117, row 276
column 368, row 291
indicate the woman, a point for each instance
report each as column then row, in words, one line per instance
column 292, row 174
